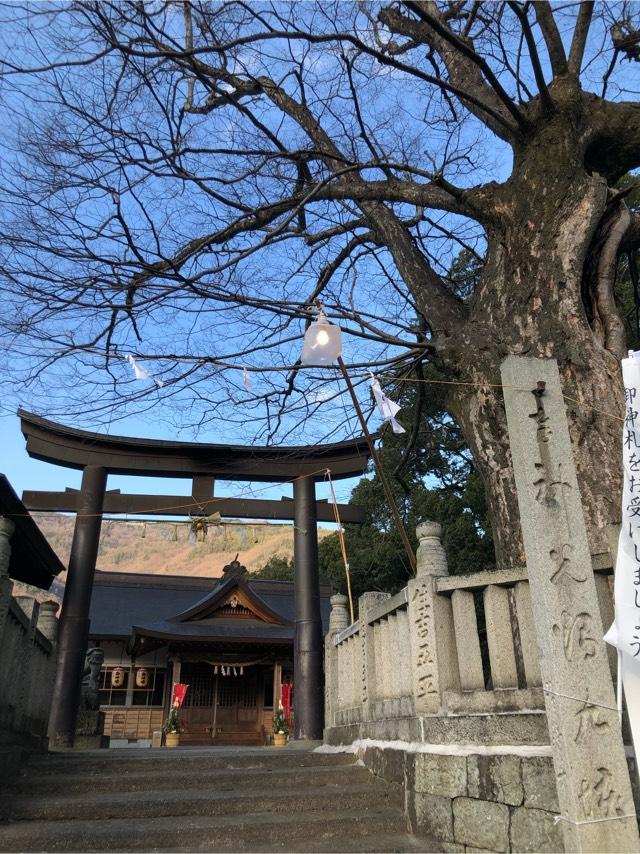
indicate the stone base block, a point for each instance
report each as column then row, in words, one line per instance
column 458, row 799
column 535, row 830
column 436, row 774
column 517, row 728
column 481, row 823
column 400, row 707
column 431, row 817
column 90, row 742
column 499, row 700
column 539, row 782
column 496, row 778
column 388, row 764
column 89, row 723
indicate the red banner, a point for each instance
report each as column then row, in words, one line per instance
column 286, row 700
column 179, row 691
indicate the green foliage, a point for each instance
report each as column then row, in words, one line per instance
column 172, row 723
column 277, row 568
column 464, row 274
column 280, row 722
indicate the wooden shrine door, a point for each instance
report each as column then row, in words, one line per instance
column 198, row 709
column 238, row 715
column 221, row 709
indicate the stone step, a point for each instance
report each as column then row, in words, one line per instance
column 136, row 777
column 122, row 759
column 366, row 844
column 215, row 801
column 318, row 830
column 376, row 843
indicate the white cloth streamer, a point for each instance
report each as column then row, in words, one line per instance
column 141, row 372
column 386, row 407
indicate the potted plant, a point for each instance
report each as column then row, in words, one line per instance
column 172, row 728
column 280, row 728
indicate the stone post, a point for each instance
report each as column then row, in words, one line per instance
column 47, row 620
column 338, row 620
column 6, row 585
column 339, row 616
column 434, row 667
column 592, row 777
column 48, row 627
column 368, row 655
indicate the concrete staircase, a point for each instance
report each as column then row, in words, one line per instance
column 191, row 799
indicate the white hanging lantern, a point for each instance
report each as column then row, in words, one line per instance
column 322, row 342
column 117, row 677
column 142, row 678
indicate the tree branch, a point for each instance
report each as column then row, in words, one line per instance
column 555, row 48
column 457, row 53
column 580, row 34
column 468, row 85
column 545, row 98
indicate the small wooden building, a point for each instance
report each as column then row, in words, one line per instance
column 230, row 639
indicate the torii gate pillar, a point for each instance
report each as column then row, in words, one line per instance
column 308, row 702
column 74, row 617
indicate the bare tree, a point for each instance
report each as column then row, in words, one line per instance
column 185, row 179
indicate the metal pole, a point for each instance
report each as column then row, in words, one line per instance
column 308, row 643
column 74, row 617
column 381, row 474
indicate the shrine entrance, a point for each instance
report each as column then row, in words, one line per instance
column 98, row 456
column 230, row 709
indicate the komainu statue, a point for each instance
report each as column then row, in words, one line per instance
column 93, row 662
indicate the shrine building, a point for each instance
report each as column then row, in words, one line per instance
column 231, row 639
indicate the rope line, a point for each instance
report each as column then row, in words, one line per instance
column 559, row 818
column 579, row 700
column 580, row 403
column 343, row 547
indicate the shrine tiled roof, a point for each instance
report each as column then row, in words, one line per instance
column 122, row 600
column 31, row 558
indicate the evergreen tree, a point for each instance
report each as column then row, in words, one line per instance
column 433, row 477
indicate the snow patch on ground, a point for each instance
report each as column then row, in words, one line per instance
column 335, row 748
column 440, row 749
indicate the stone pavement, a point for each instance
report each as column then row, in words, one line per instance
column 203, row 799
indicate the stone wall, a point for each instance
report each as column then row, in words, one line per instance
column 28, row 633
column 467, row 801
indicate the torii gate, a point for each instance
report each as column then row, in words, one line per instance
column 98, row 456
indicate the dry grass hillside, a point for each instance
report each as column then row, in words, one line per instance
column 166, row 549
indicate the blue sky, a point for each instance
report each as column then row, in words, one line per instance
column 274, row 274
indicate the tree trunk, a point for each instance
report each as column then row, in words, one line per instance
column 529, row 303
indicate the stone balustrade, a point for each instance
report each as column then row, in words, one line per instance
column 28, row 632
column 440, row 689
column 444, row 646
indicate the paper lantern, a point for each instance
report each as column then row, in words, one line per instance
column 118, row 675
column 142, row 678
